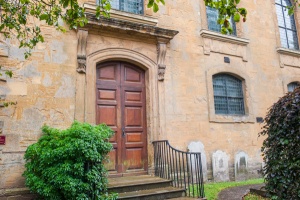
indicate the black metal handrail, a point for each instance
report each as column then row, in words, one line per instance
column 183, row 168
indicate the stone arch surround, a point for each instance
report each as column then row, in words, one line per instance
column 86, row 87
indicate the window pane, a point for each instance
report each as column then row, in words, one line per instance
column 132, row 6
column 236, row 106
column 286, row 3
column 115, row 4
column 228, row 95
column 289, row 20
column 212, row 18
column 280, row 15
column 292, row 86
column 292, row 39
column 283, row 38
column 221, row 105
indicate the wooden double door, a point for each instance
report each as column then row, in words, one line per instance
column 121, row 105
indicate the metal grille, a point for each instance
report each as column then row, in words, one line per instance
column 212, row 20
column 291, row 86
column 287, row 27
column 132, row 6
column 228, row 95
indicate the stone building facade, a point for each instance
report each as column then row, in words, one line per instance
column 171, row 64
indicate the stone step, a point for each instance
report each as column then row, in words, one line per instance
column 154, row 194
column 135, row 183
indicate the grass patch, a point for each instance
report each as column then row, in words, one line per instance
column 251, row 196
column 212, row 189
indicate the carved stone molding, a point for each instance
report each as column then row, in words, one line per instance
column 130, row 27
column 161, row 56
column 290, row 58
column 81, row 50
column 224, row 44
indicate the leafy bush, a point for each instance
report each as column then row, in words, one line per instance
column 281, row 148
column 68, row 164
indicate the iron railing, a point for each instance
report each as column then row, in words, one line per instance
column 183, row 168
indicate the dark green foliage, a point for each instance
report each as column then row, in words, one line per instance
column 68, row 164
column 281, row 148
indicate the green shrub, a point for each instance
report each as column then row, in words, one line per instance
column 281, row 148
column 68, row 164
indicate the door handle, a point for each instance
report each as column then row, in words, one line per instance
column 123, row 132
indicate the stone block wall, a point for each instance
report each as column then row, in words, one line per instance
column 179, row 109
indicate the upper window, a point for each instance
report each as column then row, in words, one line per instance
column 228, row 95
column 212, row 20
column 132, row 6
column 287, row 27
column 291, row 86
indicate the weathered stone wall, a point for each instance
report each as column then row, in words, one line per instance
column 179, row 109
column 43, row 87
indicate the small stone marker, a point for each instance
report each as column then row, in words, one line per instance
column 241, row 166
column 196, row 147
column 220, row 166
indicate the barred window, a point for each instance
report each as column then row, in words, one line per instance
column 212, row 20
column 287, row 26
column 132, row 6
column 291, row 86
column 228, row 95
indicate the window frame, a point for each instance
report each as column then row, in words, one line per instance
column 225, row 77
column 235, row 71
column 285, row 28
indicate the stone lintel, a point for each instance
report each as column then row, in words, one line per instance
column 129, row 27
column 223, row 38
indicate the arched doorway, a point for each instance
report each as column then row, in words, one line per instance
column 121, row 104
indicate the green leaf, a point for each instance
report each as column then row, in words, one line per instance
column 150, row 3
column 155, row 7
column 9, row 73
column 236, row 17
column 44, row 17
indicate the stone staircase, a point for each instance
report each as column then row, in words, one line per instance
column 144, row 187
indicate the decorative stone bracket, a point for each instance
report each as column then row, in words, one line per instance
column 161, row 57
column 289, row 57
column 81, row 50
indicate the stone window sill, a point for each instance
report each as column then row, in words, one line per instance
column 223, row 38
column 290, row 52
column 125, row 16
column 232, row 118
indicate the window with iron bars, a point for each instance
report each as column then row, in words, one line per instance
column 131, row 6
column 212, row 20
column 228, row 95
column 287, row 26
column 291, row 86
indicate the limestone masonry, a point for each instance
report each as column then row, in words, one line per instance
column 179, row 56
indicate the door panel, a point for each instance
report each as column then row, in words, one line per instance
column 121, row 105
